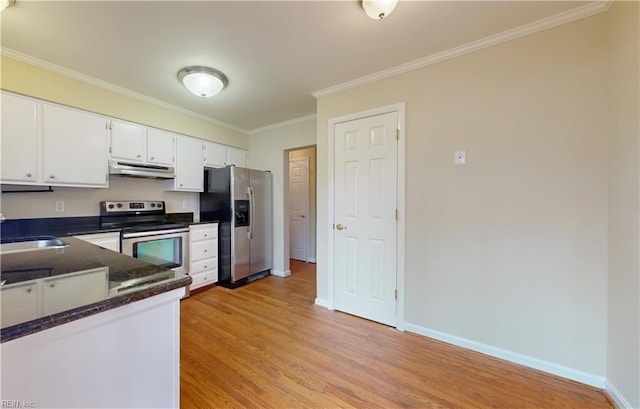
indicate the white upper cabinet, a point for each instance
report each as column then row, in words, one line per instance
column 128, row 141
column 19, row 140
column 74, row 148
column 216, row 155
column 237, row 157
column 47, row 144
column 136, row 143
column 189, row 169
column 160, row 147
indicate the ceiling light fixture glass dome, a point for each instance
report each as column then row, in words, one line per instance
column 203, row 81
column 378, row 9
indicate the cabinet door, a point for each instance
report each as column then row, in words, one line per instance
column 75, row 147
column 19, row 140
column 189, row 169
column 237, row 157
column 19, row 303
column 215, row 155
column 109, row 241
column 69, row 291
column 160, row 147
column 128, row 141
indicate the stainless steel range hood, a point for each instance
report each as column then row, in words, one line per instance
column 141, row 170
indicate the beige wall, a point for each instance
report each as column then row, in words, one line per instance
column 29, row 80
column 269, row 150
column 309, row 153
column 510, row 250
column 623, row 343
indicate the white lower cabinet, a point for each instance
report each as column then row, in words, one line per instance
column 52, row 295
column 109, row 241
column 20, row 303
column 125, row 357
column 203, row 254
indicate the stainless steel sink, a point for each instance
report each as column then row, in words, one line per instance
column 32, row 244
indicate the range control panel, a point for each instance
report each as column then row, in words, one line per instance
column 131, row 206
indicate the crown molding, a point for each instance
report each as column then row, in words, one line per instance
column 534, row 27
column 16, row 55
column 283, row 124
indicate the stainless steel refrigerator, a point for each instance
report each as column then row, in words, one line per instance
column 240, row 200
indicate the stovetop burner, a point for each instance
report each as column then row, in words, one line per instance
column 136, row 216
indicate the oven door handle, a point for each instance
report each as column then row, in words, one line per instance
column 251, row 212
column 153, row 233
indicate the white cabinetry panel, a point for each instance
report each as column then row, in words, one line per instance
column 19, row 140
column 128, row 141
column 215, row 155
column 136, row 143
column 109, row 241
column 203, row 254
column 237, row 157
column 160, row 147
column 75, row 147
column 189, row 169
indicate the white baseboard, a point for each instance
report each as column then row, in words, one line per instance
column 281, row 273
column 311, row 260
column 617, row 397
column 545, row 366
column 322, row 302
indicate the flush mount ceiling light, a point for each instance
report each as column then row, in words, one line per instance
column 378, row 9
column 6, row 3
column 203, row 81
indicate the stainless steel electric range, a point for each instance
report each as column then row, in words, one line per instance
column 146, row 233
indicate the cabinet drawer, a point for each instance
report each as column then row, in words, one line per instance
column 204, row 249
column 208, row 264
column 203, row 233
column 200, row 280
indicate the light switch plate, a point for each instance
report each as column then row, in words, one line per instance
column 59, row 206
column 460, row 158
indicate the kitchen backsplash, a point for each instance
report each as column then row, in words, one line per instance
column 85, row 202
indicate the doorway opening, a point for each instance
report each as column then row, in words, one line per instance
column 300, row 202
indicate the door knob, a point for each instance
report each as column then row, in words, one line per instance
column 302, row 215
column 341, row 227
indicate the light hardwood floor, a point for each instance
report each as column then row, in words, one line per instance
column 266, row 345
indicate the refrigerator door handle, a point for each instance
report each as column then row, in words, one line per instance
column 251, row 212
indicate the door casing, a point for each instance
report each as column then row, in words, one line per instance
column 400, row 232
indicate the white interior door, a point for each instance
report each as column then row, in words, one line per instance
column 365, row 193
column 299, row 208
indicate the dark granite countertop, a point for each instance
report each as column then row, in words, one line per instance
column 46, row 288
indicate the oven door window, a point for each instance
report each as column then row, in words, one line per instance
column 165, row 252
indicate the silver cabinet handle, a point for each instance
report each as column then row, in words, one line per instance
column 138, row 156
column 52, row 177
column 28, row 175
column 153, row 157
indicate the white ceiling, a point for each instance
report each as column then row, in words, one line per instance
column 275, row 53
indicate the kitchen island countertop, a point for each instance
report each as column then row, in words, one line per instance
column 111, row 280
